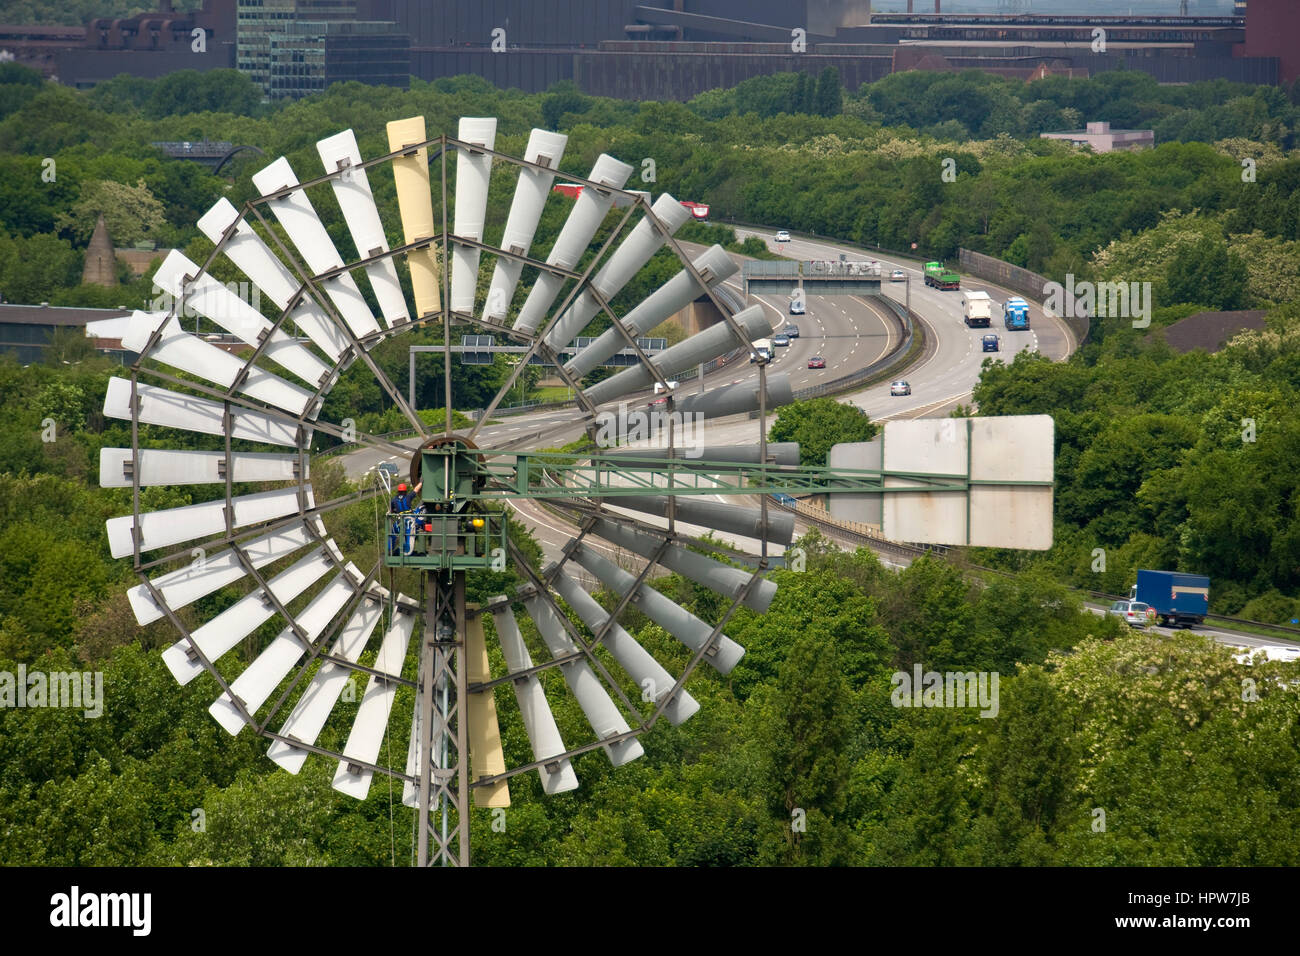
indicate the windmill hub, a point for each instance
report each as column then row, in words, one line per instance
column 443, row 527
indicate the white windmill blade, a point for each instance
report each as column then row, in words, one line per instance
column 313, row 708
column 180, row 349
column 255, row 259
column 247, row 614
column 534, row 185
column 714, row 266
column 588, row 213
column 486, row 755
column 415, row 205
column 205, row 575
column 305, row 230
column 410, row 796
column 162, row 406
column 208, row 297
column 376, row 706
column 742, row 520
column 473, row 171
column 352, row 190
column 539, row 723
column 718, row 577
column 183, row 467
column 700, row 347
column 601, row 712
column 645, row 239
column 158, row 529
column 678, row 622
column 261, row 677
column 649, row 675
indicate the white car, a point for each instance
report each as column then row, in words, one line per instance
column 783, row 236
column 898, row 275
column 900, row 388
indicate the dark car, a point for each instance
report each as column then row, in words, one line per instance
column 991, row 343
column 816, row 362
column 791, row 331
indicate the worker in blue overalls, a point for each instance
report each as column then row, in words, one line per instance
column 401, row 508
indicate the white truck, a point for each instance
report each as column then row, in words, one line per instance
column 763, row 348
column 977, row 309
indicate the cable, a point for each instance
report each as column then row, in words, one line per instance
column 380, row 538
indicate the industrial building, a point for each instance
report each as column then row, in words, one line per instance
column 652, row 49
column 675, row 49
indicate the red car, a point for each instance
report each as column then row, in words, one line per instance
column 816, row 362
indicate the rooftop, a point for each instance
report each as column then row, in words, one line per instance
column 55, row 314
column 1210, row 331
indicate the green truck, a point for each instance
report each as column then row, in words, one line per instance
column 941, row 277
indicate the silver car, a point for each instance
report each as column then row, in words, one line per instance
column 1134, row 613
column 900, row 388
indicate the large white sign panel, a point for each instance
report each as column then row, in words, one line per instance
column 998, row 454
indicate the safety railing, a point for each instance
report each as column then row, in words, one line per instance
column 456, row 541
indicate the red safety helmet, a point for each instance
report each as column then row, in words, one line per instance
column 401, row 487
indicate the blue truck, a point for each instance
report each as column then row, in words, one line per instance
column 1178, row 599
column 1015, row 314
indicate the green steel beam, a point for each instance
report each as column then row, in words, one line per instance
column 554, row 475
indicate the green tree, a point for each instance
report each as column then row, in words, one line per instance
column 1207, row 273
column 817, row 424
column 1031, row 767
column 828, row 97
column 208, row 91
column 564, row 97
column 32, row 270
column 804, row 722
column 131, row 213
